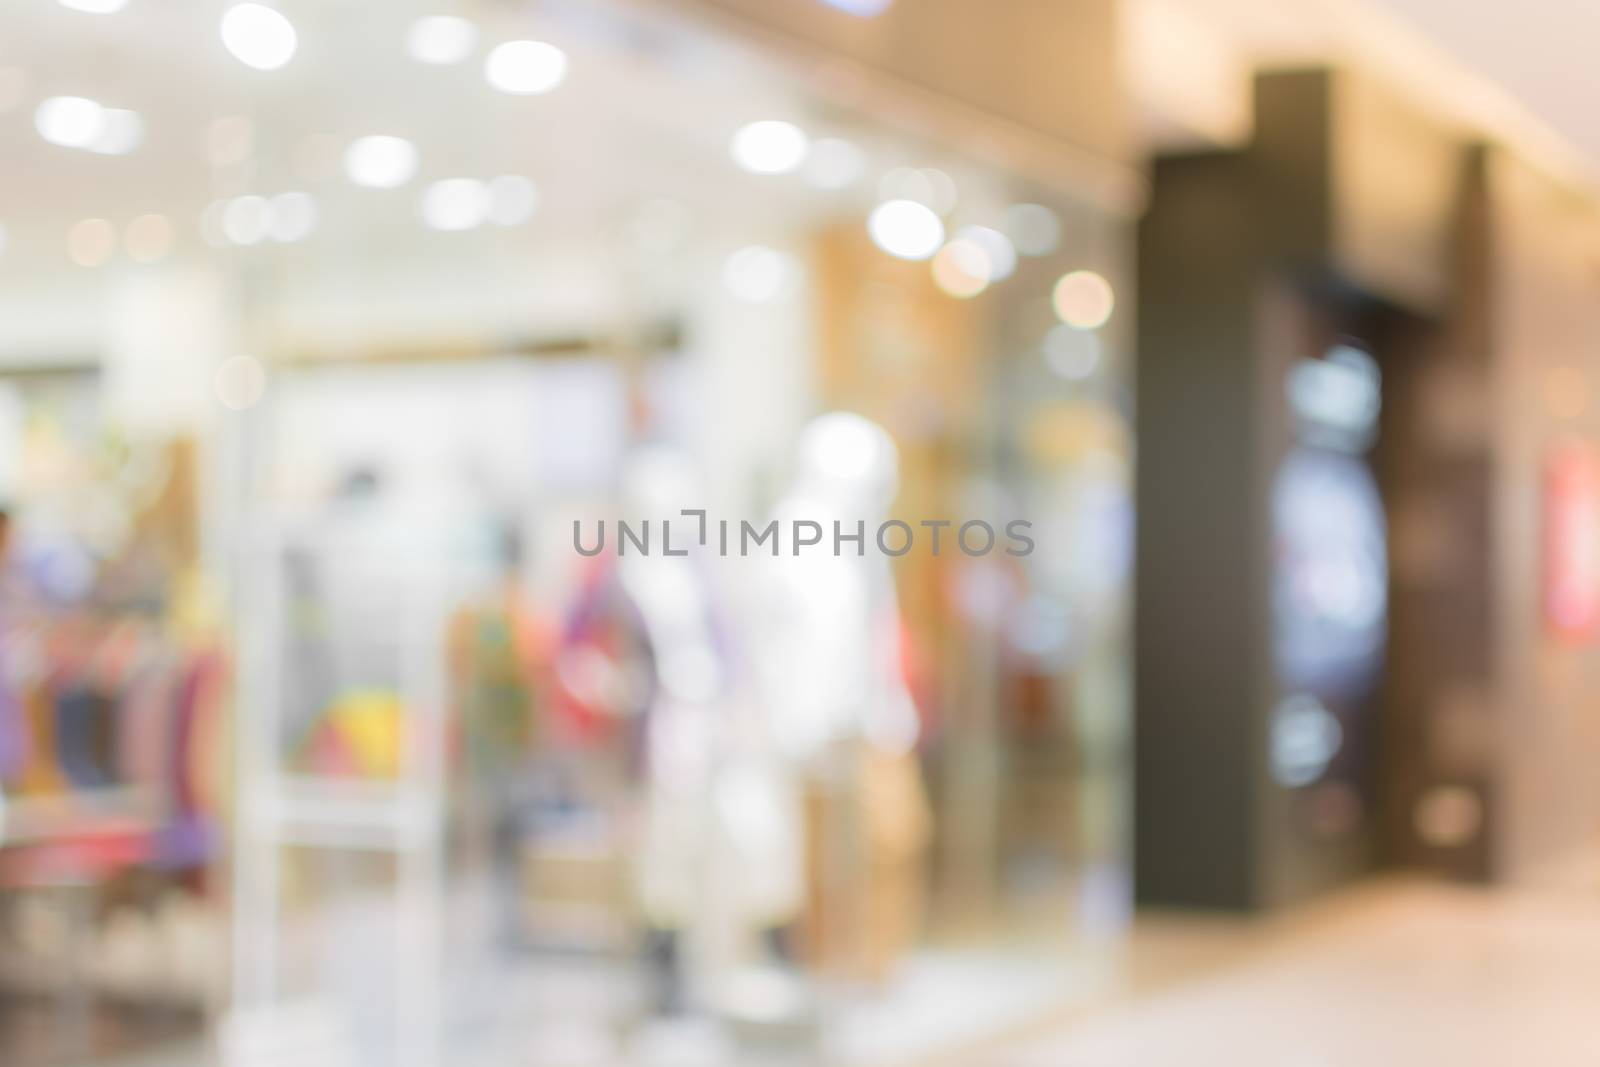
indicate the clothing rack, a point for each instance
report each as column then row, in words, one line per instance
column 100, row 718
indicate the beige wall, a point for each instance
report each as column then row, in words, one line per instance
column 1545, row 332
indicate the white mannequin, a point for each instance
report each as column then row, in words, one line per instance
column 838, row 703
column 830, row 656
column 685, row 713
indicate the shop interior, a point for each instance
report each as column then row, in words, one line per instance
column 321, row 740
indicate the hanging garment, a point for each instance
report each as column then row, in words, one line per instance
column 13, row 734
column 41, row 774
column 144, row 718
column 83, row 736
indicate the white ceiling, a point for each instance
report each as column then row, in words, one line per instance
column 1544, row 53
column 649, row 106
column 643, row 121
column 646, row 112
column 1519, row 71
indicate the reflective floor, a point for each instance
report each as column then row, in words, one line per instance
column 1394, row 973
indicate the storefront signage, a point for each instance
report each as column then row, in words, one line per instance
column 1572, row 540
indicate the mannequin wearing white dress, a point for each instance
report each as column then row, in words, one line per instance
column 683, row 718
column 833, row 684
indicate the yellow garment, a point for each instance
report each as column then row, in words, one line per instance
column 41, row 773
column 368, row 723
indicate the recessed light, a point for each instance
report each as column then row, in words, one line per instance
column 258, row 36
column 380, row 161
column 525, row 68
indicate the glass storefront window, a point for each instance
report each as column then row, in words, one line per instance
column 432, row 330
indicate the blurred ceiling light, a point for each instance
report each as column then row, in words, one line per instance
column 1033, row 229
column 258, row 36
column 246, row 219
column 834, row 163
column 380, row 161
column 291, row 217
column 91, row 242
column 759, row 274
column 95, row 7
column 861, row 8
column 996, row 245
column 148, row 238
column 525, row 68
column 906, row 228
column 513, row 200
column 122, row 133
column 1083, row 299
column 240, row 382
column 1070, row 352
column 440, row 40
column 70, row 121
column 847, row 447
column 456, row 204
column 962, row 268
column 769, row 147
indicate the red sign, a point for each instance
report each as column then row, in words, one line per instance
column 1572, row 540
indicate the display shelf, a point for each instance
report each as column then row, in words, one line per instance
column 45, row 819
column 280, row 807
column 345, row 814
